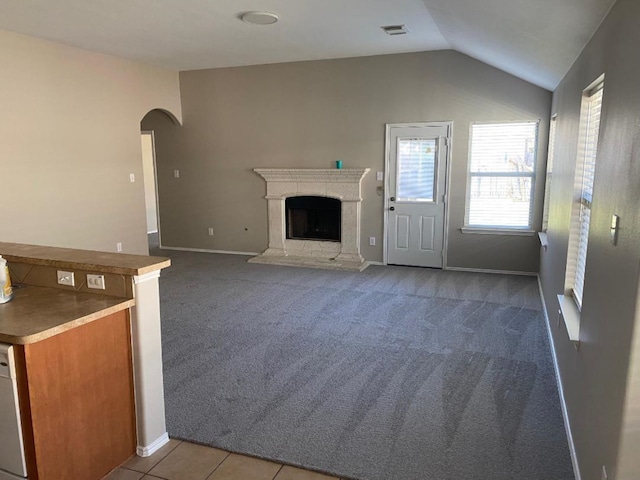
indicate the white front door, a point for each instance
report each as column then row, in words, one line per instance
column 417, row 168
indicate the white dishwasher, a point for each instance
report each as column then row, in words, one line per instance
column 12, row 462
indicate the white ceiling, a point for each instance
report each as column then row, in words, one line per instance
column 537, row 40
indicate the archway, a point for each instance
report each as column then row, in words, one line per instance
column 157, row 128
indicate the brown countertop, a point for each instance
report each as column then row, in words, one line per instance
column 37, row 313
column 120, row 263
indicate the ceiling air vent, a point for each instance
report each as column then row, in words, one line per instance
column 395, row 30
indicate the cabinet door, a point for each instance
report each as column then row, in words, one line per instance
column 81, row 404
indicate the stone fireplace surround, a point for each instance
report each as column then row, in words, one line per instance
column 343, row 184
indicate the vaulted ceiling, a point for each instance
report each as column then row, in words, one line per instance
column 536, row 40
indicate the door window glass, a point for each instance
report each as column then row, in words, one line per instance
column 416, row 169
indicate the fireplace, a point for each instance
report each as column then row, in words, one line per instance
column 313, row 218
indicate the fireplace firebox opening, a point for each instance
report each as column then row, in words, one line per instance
column 313, row 218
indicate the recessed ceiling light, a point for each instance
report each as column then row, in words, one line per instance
column 395, row 29
column 259, row 18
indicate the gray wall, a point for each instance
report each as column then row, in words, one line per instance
column 306, row 115
column 69, row 138
column 595, row 376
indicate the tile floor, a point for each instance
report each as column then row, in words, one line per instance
column 187, row 461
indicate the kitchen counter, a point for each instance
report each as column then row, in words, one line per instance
column 41, row 308
column 106, row 343
column 37, row 313
column 106, row 262
column 99, row 349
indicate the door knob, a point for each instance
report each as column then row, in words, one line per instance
column 393, row 199
column 392, row 208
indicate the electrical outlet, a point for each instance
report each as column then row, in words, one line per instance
column 380, row 176
column 95, row 281
column 604, row 473
column 211, row 231
column 66, row 278
column 176, row 174
column 132, row 177
column 119, row 247
column 372, row 241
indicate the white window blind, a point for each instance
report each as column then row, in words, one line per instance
column 585, row 173
column 547, row 184
column 501, row 175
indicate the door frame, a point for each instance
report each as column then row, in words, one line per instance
column 152, row 134
column 386, row 187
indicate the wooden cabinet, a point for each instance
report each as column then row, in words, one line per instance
column 77, row 401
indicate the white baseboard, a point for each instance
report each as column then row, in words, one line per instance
column 149, row 450
column 563, row 404
column 371, row 262
column 485, row 270
column 204, row 250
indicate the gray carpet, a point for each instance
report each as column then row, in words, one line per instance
column 393, row 373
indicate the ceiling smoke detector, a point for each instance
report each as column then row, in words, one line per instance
column 259, row 18
column 395, row 30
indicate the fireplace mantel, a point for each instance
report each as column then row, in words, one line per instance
column 343, row 184
column 333, row 175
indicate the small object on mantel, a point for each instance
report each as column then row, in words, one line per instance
column 339, row 164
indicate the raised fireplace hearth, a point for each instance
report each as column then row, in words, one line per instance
column 314, row 218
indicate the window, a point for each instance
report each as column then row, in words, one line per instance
column 585, row 173
column 547, row 184
column 416, row 169
column 501, row 176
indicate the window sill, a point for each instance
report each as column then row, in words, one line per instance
column 571, row 316
column 498, row 231
column 544, row 240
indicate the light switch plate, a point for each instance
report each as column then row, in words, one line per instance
column 380, row 176
column 95, row 281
